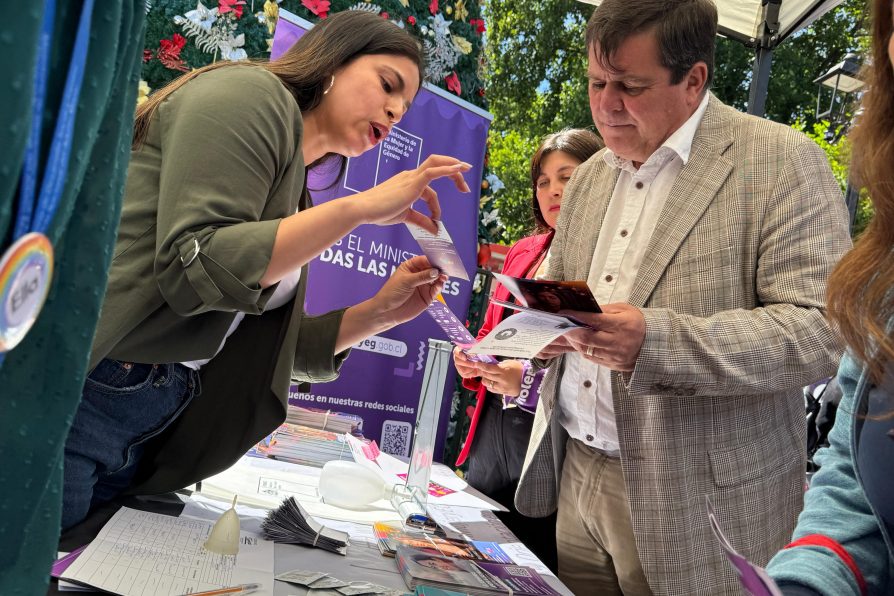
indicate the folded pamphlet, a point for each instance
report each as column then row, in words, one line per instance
column 546, row 295
column 526, row 333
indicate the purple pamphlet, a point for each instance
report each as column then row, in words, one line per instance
column 440, row 250
column 754, row 580
column 455, row 330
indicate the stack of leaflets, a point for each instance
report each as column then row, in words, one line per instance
column 337, row 422
column 391, row 535
column 425, row 567
column 290, row 523
column 304, row 445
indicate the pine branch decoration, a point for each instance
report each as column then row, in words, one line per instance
column 206, row 40
column 367, row 7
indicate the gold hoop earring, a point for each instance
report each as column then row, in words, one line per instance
column 329, row 88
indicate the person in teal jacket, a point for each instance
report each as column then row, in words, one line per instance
column 843, row 541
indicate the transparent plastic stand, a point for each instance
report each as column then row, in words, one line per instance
column 410, row 499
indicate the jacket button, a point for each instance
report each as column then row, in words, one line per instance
column 589, row 438
column 588, row 384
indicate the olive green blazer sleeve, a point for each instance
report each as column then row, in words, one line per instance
column 226, row 140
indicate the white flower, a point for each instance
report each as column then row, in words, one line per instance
column 202, row 16
column 495, row 183
column 231, row 49
column 440, row 25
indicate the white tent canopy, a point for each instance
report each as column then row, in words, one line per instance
column 744, row 19
column 763, row 25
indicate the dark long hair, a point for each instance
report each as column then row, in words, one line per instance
column 306, row 68
column 860, row 300
column 579, row 143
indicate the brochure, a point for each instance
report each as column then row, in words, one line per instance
column 524, row 334
column 390, row 536
column 428, row 567
column 548, row 295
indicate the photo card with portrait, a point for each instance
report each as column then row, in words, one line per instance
column 549, row 295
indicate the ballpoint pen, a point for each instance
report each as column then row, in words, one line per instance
column 241, row 589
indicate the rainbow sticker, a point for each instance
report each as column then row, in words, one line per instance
column 25, row 273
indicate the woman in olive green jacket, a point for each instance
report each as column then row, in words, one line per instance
column 202, row 329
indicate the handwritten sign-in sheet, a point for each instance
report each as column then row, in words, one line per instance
column 144, row 553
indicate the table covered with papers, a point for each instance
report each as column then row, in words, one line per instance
column 263, row 484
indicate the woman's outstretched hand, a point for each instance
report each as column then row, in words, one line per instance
column 391, row 202
column 409, row 290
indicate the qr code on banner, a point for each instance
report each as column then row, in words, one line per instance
column 396, row 437
column 516, row 571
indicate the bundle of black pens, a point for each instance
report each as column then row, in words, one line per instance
column 290, row 523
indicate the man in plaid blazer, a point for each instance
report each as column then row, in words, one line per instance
column 707, row 235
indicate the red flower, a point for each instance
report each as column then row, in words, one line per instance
column 433, row 7
column 169, row 52
column 478, row 24
column 453, row 83
column 318, row 7
column 384, row 15
column 481, row 92
column 411, row 20
column 234, row 6
column 173, row 45
column 147, row 55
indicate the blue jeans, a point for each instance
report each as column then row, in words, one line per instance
column 123, row 405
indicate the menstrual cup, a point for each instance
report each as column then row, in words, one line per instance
column 224, row 537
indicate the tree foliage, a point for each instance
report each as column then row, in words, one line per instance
column 536, row 81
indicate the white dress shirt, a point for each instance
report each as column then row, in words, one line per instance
column 586, row 409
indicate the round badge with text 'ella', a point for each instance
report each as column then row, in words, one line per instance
column 25, row 273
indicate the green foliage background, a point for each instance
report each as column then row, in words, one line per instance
column 160, row 25
column 536, row 85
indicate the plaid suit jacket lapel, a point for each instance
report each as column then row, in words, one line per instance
column 695, row 188
column 577, row 267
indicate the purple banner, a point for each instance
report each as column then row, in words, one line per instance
column 382, row 379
